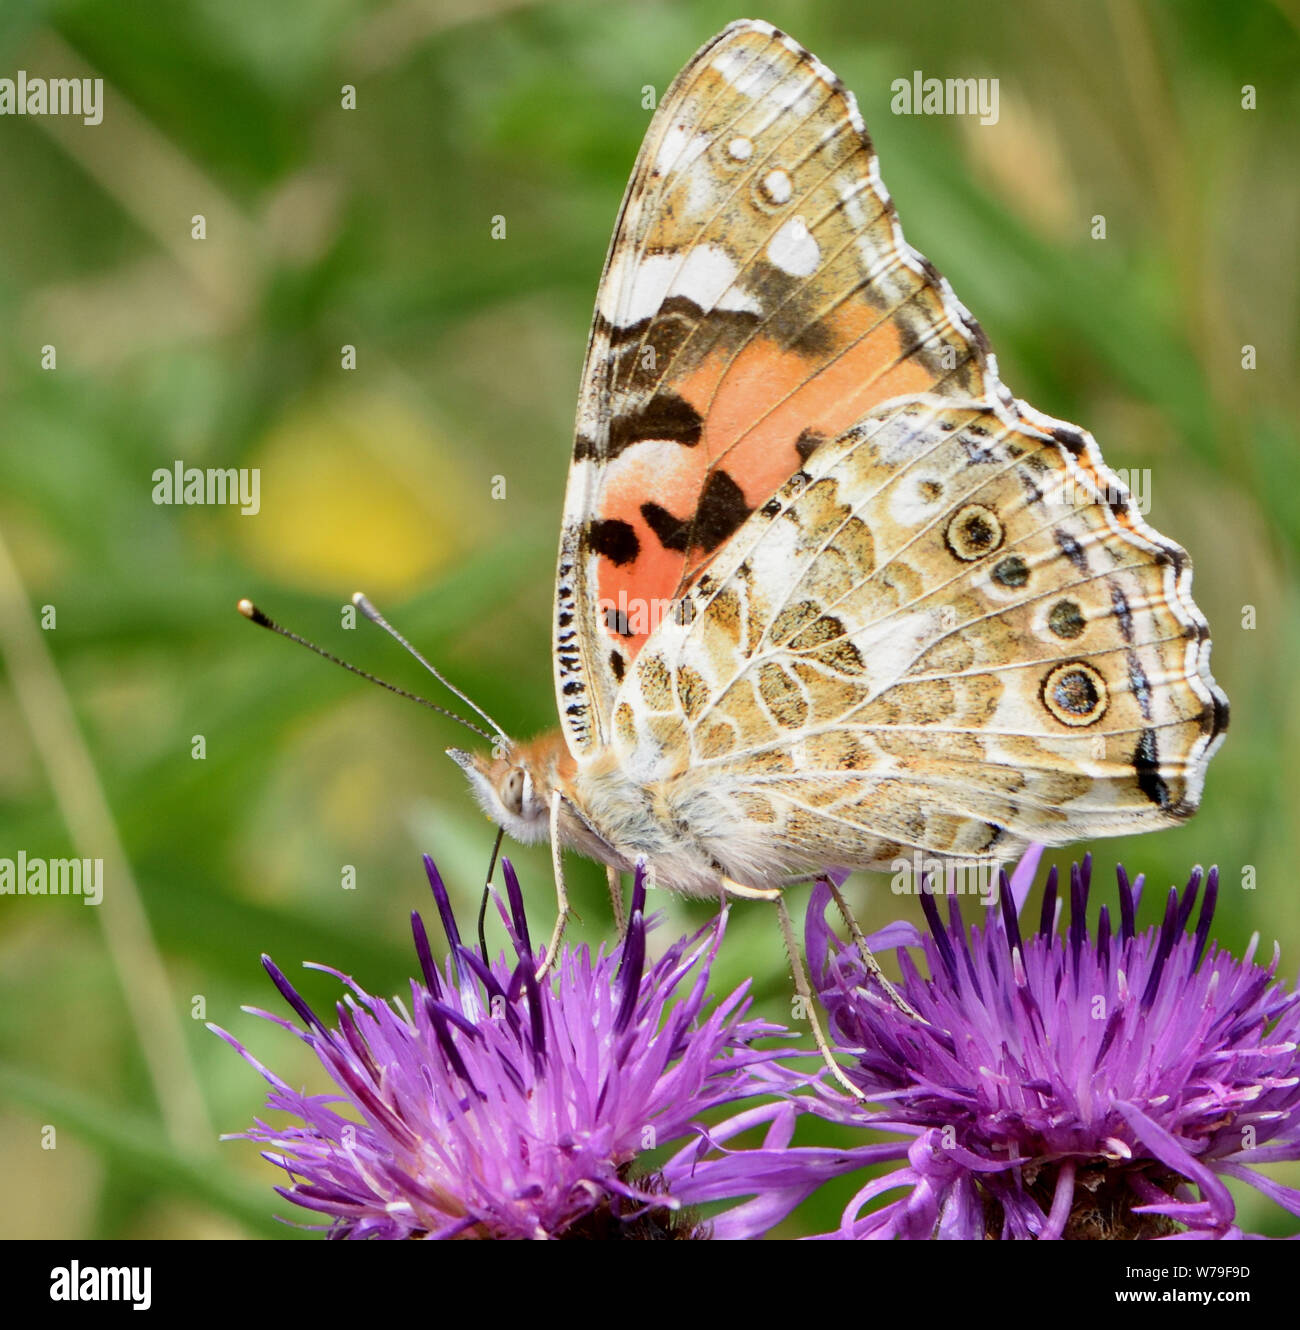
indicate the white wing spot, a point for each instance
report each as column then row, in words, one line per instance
column 853, row 209
column 794, row 250
column 670, row 147
column 748, row 77
column 678, row 149
column 777, row 186
column 740, row 149
column 704, row 276
column 790, row 94
column 730, row 63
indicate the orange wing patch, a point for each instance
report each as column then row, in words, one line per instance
column 763, row 413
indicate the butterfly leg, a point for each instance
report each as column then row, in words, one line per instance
column 561, row 895
column 804, row 991
column 615, row 883
column 731, row 888
column 873, row 965
column 801, row 985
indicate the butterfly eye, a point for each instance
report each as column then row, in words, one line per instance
column 512, row 790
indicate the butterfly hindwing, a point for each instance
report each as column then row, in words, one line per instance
column 940, row 635
column 758, row 299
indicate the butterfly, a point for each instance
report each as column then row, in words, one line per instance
column 827, row 593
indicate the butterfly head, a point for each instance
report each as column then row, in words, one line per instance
column 513, row 784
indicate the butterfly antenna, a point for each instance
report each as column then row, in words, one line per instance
column 250, row 611
column 362, row 603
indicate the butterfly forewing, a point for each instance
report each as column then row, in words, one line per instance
column 758, row 299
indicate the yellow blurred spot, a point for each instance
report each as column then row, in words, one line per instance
column 362, row 493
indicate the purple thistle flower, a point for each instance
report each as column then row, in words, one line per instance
column 504, row 1106
column 1078, row 1085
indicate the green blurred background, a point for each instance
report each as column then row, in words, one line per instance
column 372, row 227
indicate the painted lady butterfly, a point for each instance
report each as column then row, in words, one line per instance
column 827, row 592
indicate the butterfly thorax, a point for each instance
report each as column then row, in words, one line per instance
column 604, row 813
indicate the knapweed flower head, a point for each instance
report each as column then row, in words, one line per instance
column 506, row 1106
column 1086, row 1083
